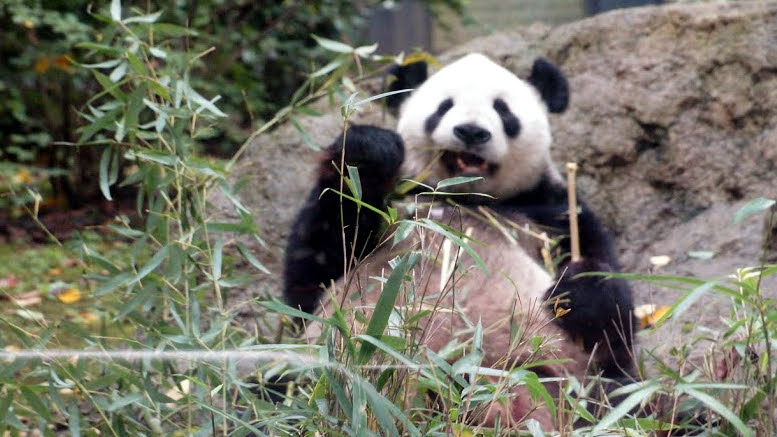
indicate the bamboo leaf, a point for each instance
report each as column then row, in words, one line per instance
column 715, row 405
column 457, row 181
column 753, row 207
column 356, row 183
column 105, row 160
column 150, row 18
column 626, row 405
column 251, row 258
column 385, row 305
column 152, row 264
column 334, row 46
column 116, row 10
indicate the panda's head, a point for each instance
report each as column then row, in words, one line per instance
column 476, row 118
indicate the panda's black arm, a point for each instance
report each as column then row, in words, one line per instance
column 329, row 228
column 547, row 205
column 601, row 310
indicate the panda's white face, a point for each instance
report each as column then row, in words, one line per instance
column 476, row 118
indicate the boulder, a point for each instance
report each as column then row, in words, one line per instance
column 672, row 121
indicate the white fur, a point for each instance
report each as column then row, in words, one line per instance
column 474, row 82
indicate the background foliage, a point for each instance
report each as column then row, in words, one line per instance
column 261, row 52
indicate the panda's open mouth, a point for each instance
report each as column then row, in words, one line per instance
column 467, row 164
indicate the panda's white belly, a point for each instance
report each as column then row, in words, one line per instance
column 507, row 298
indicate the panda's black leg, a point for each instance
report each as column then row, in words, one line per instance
column 600, row 314
column 331, row 229
column 600, row 309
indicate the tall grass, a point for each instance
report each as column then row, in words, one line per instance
column 184, row 366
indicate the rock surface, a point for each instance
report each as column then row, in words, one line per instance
column 673, row 122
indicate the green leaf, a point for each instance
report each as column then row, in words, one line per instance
column 365, row 51
column 150, row 18
column 173, row 30
column 116, row 10
column 449, row 234
column 385, row 305
column 356, row 183
column 303, row 134
column 701, row 254
column 136, row 64
column 105, row 160
column 333, row 46
column 251, row 259
column 74, row 420
column 363, row 204
column 109, row 86
column 115, row 282
column 96, row 126
column 626, row 405
column 326, row 69
column 753, row 207
column 158, row 157
column 152, row 264
column 118, row 72
column 716, row 406
column 35, row 402
column 457, row 181
column 380, row 96
column 280, row 308
column 101, row 48
column 686, row 300
column 217, row 258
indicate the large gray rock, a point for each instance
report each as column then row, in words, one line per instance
column 673, row 122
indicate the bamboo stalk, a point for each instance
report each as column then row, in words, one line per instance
column 574, row 235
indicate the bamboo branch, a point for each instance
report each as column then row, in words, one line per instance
column 574, row 235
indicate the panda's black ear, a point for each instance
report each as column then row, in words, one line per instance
column 551, row 84
column 401, row 77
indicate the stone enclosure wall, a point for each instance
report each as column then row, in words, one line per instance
column 673, row 122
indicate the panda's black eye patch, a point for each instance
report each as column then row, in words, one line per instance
column 509, row 121
column 433, row 120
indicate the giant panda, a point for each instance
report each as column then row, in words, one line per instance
column 472, row 118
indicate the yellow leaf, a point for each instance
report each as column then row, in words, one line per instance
column 649, row 314
column 63, row 63
column 55, row 271
column 71, row 295
column 42, row 65
column 28, row 24
column 22, row 177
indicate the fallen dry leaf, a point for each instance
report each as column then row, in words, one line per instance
column 55, row 271
column 26, row 299
column 69, row 296
column 9, row 282
column 649, row 314
column 660, row 260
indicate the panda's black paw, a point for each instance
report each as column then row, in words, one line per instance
column 592, row 307
column 376, row 152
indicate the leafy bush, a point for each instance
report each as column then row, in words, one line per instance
column 258, row 55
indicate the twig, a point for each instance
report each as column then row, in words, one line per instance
column 574, row 236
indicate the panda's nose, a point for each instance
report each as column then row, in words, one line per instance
column 471, row 134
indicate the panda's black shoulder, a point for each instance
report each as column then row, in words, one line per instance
column 547, row 192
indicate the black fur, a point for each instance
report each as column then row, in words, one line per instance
column 314, row 255
column 510, row 122
column 433, row 120
column 551, row 83
column 402, row 77
column 601, row 310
